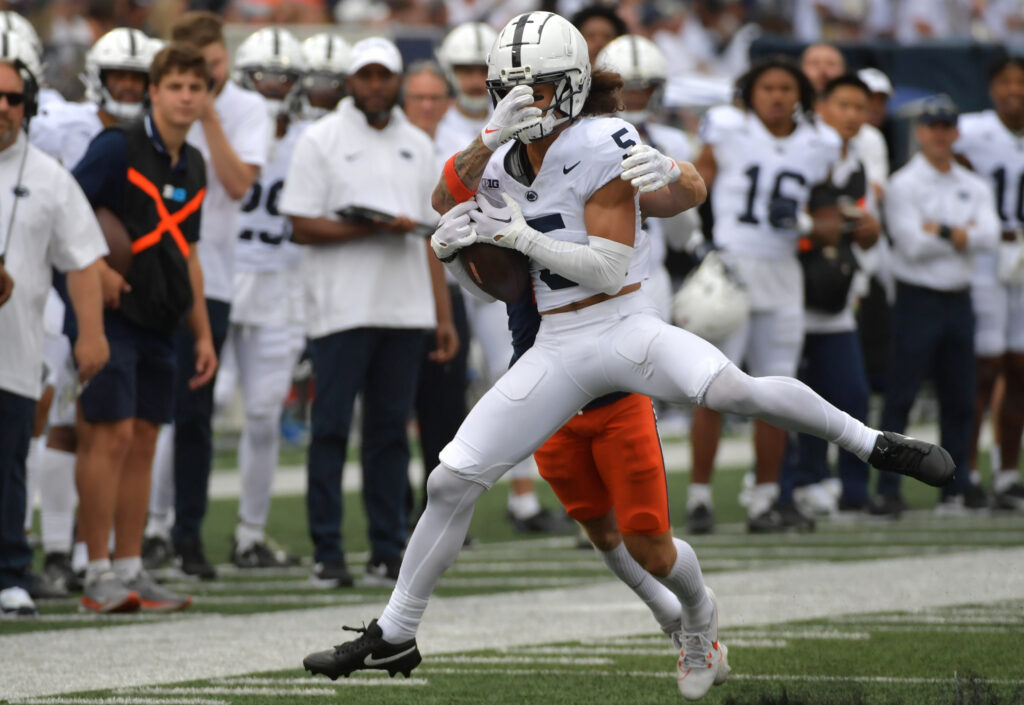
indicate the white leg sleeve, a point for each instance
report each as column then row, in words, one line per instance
column 687, row 583
column 57, row 497
column 664, row 605
column 32, row 470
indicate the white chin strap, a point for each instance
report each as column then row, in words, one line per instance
column 545, row 128
column 122, row 111
column 635, row 116
column 275, row 108
column 474, row 105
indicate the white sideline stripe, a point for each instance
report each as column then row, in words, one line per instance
column 810, row 634
column 121, row 701
column 952, row 620
column 594, row 611
column 357, row 679
column 666, row 648
column 564, row 661
column 935, row 628
column 216, row 690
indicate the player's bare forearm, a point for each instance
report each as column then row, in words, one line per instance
column 198, row 320
column 687, row 192
column 469, row 167
column 324, row 231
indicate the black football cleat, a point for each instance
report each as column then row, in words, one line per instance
column 923, row 461
column 369, row 651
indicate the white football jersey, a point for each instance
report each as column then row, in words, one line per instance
column 586, row 156
column 454, row 133
column 675, row 144
column 64, row 130
column 264, row 235
column 754, row 168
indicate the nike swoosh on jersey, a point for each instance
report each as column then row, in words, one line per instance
column 371, row 661
column 567, row 169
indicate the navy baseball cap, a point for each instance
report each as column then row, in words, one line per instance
column 938, row 109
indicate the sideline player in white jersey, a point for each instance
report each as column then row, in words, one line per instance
column 992, row 142
column 463, row 57
column 564, row 205
column 327, row 58
column 643, row 69
column 116, row 76
column 761, row 161
column 267, row 332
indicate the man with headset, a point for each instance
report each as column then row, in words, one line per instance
column 47, row 222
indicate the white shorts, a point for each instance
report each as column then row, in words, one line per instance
column 266, row 356
column 63, row 376
column 616, row 345
column 769, row 342
column 998, row 318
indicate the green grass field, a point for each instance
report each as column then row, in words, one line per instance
column 952, row 649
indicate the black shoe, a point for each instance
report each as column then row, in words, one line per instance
column 1012, row 498
column 700, row 520
column 792, row 518
column 43, row 587
column 923, row 461
column 886, row 505
column 260, row 555
column 330, row 575
column 384, row 573
column 57, row 569
column 544, row 522
column 846, row 505
column 778, row 518
column 191, row 560
column 975, row 497
column 368, row 651
column 156, row 552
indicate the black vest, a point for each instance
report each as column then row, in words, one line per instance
column 161, row 214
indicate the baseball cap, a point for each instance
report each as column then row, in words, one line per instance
column 376, row 50
column 876, row 81
column 938, row 109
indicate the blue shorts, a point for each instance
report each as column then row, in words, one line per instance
column 138, row 381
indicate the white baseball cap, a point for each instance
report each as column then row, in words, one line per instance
column 876, row 81
column 376, row 50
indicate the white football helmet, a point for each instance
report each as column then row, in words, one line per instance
column 642, row 65
column 120, row 49
column 712, row 303
column 328, row 57
column 541, row 47
column 17, row 24
column 18, row 51
column 466, row 45
column 270, row 62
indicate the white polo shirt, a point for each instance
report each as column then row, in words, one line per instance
column 53, row 226
column 381, row 280
column 246, row 122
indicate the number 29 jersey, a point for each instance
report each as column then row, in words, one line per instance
column 586, row 156
column 754, row 167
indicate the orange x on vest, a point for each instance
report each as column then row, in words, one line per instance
column 168, row 222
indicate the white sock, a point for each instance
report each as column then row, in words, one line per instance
column 246, row 535
column 434, row 545
column 128, row 569
column 687, row 583
column 1004, row 479
column 159, row 525
column 79, row 556
column 57, row 497
column 658, row 598
column 523, row 506
column 975, row 477
column 762, row 497
column 32, row 470
column 95, row 569
column 257, row 462
column 698, row 493
column 161, row 490
column 995, row 457
column 791, row 405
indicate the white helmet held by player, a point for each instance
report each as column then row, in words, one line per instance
column 270, row 62
column 328, row 57
column 642, row 66
column 711, row 303
column 466, row 45
column 541, row 47
column 120, row 49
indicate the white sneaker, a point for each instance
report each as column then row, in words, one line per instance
column 16, row 602
column 815, row 500
column 702, row 660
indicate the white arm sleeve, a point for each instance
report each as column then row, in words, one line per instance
column 601, row 265
column 466, row 281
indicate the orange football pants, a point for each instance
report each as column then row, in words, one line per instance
column 610, row 458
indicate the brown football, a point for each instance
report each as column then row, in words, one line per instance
column 498, row 271
column 119, row 242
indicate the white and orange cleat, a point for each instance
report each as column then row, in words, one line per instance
column 703, row 660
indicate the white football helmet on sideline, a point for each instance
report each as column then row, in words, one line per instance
column 120, row 49
column 270, row 62
column 17, row 24
column 642, row 65
column 19, row 52
column 328, row 57
column 541, row 47
column 466, row 45
column 711, row 303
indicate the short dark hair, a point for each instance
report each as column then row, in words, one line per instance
column 182, row 58
column 847, row 80
column 199, row 28
column 604, row 96
column 604, row 12
column 1003, row 63
column 745, row 83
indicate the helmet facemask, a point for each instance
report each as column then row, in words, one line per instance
column 280, row 88
column 566, row 104
column 122, row 110
column 653, row 105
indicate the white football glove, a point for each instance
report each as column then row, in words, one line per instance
column 454, row 231
column 499, row 225
column 513, row 114
column 648, row 169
